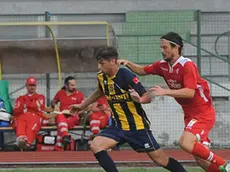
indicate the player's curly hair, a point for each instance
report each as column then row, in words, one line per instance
column 174, row 39
column 107, row 53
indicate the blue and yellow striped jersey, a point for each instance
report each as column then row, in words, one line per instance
column 126, row 114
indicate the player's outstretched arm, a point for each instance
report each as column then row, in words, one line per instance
column 138, row 69
column 179, row 93
column 92, row 98
column 144, row 99
column 54, row 102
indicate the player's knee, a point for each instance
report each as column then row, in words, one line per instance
column 94, row 116
column 60, row 118
column 159, row 157
column 186, row 144
column 96, row 146
column 182, row 143
column 76, row 120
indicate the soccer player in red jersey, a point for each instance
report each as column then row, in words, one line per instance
column 67, row 96
column 192, row 93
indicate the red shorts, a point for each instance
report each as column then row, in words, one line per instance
column 200, row 128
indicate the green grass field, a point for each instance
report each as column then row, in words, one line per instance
column 195, row 169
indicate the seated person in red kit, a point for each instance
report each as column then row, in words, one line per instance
column 28, row 115
column 67, row 96
column 99, row 115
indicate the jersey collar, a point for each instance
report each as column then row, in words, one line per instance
column 178, row 61
column 31, row 95
column 75, row 92
column 114, row 76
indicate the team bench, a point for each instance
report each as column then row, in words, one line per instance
column 48, row 129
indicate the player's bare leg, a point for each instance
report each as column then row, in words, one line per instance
column 188, row 142
column 203, row 163
column 159, row 157
column 162, row 159
column 99, row 146
column 206, row 165
column 100, row 143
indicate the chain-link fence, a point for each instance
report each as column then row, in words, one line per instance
column 215, row 66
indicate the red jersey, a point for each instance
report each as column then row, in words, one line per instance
column 102, row 101
column 184, row 74
column 67, row 100
column 34, row 103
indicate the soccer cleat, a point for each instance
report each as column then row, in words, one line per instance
column 22, row 143
column 225, row 168
column 58, row 148
column 16, row 147
column 65, row 141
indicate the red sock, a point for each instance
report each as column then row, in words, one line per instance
column 62, row 125
column 202, row 152
column 95, row 126
column 213, row 168
column 63, row 131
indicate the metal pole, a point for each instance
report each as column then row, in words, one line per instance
column 47, row 18
column 48, row 89
column 199, row 40
column 2, row 143
column 228, row 55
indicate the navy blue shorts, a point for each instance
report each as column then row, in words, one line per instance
column 140, row 140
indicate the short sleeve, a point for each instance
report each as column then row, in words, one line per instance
column 56, row 98
column 42, row 98
column 153, row 69
column 41, row 102
column 190, row 78
column 81, row 97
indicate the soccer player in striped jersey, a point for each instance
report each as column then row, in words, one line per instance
column 130, row 124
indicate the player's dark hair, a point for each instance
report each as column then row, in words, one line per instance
column 66, row 82
column 175, row 39
column 107, row 53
